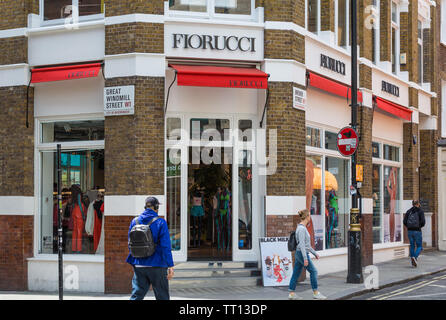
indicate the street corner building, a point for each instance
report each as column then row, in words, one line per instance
column 228, row 112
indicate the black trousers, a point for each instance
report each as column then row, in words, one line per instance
column 144, row 277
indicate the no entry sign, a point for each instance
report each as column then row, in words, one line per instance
column 347, row 141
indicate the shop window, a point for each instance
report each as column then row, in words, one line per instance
column 245, row 200
column 343, row 16
column 392, row 218
column 245, row 127
column 391, row 153
column 82, row 201
column 376, row 152
column 173, row 196
column 336, row 202
column 313, row 15
column 376, row 198
column 65, row 131
column 233, row 7
column 61, row 9
column 173, row 129
column 331, row 141
column 209, row 129
column 313, row 185
column 313, row 137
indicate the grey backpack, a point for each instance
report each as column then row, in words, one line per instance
column 141, row 244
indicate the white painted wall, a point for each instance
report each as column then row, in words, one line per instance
column 59, row 98
column 43, row 274
column 327, row 109
column 210, row 100
column 66, row 46
column 387, row 128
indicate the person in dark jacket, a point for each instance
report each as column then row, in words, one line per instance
column 157, row 269
column 414, row 221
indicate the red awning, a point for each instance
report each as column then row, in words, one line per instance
column 225, row 77
column 65, row 72
column 393, row 108
column 331, row 86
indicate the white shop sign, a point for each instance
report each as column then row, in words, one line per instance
column 204, row 41
column 119, row 101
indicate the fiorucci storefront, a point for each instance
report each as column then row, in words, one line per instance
column 206, row 108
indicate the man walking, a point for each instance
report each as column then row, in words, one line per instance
column 156, row 269
column 414, row 221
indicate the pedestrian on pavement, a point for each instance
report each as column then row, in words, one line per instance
column 414, row 221
column 156, row 269
column 302, row 258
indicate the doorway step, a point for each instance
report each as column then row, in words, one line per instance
column 215, row 274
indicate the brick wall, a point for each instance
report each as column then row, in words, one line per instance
column 428, row 175
column 385, row 30
column 284, row 44
column 327, row 15
column 284, row 10
column 16, row 239
column 13, row 50
column 122, row 7
column 290, row 124
column 14, row 13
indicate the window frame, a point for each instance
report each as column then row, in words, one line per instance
column 395, row 26
column 41, row 147
column 210, row 13
column 381, row 162
column 74, row 19
column 376, row 12
column 324, row 153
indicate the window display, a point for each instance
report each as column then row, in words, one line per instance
column 313, row 183
column 82, row 201
column 173, row 196
column 392, row 214
column 376, row 198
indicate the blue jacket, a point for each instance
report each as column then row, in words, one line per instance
column 163, row 252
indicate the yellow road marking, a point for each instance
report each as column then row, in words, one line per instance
column 395, row 291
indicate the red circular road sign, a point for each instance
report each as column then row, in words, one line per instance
column 347, row 141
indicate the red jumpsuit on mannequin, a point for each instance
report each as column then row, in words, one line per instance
column 78, row 227
column 97, row 226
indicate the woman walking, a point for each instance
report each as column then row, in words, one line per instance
column 303, row 258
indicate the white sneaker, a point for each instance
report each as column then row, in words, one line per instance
column 319, row 296
column 293, row 296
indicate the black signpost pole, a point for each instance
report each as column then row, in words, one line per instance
column 59, row 223
column 354, row 234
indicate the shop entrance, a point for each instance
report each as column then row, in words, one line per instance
column 209, row 206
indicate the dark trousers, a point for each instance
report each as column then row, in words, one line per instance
column 144, row 277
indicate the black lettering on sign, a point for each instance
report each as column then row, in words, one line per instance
column 332, row 64
column 390, row 88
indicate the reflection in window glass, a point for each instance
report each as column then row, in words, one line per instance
column 245, row 200
column 82, row 203
column 392, row 215
column 376, row 198
column 209, row 129
column 173, row 196
column 336, row 202
column 65, row 131
column 313, row 183
column 375, row 150
column 173, row 129
column 313, row 137
column 57, row 9
column 89, row 7
column 342, row 23
column 245, row 127
column 188, row 5
column 312, row 15
column 330, row 140
column 233, row 6
column 391, row 153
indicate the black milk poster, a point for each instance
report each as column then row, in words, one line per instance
column 277, row 265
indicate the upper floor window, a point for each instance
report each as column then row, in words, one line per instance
column 235, row 7
column 443, row 22
column 343, row 22
column 63, row 9
column 420, row 52
column 375, row 32
column 395, row 38
column 313, row 12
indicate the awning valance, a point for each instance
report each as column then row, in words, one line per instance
column 393, row 108
column 65, row 72
column 217, row 76
column 331, row 86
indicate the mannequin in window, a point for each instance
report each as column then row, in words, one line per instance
column 78, row 214
column 391, row 186
column 332, row 219
column 197, row 214
column 93, row 224
column 224, row 217
column 309, row 176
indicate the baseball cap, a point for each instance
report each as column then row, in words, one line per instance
column 152, row 201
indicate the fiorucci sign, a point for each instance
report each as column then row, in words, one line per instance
column 119, row 101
